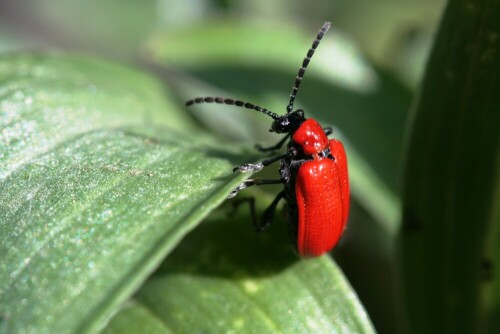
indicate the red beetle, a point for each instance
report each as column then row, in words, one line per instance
column 313, row 171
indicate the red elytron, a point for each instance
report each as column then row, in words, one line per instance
column 313, row 171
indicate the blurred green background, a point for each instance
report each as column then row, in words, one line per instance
column 364, row 80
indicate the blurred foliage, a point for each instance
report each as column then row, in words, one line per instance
column 57, row 110
column 450, row 203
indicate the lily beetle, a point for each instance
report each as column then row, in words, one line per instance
column 313, row 171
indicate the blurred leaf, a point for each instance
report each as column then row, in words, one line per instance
column 8, row 41
column 136, row 318
column 260, row 62
column 395, row 34
column 114, row 27
column 225, row 278
column 266, row 45
column 91, row 200
column 451, row 179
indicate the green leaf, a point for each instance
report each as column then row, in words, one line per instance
column 47, row 99
column 451, row 182
column 136, row 318
column 91, row 199
column 225, row 278
column 100, row 179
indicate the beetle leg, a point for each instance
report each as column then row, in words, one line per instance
column 268, row 215
column 249, row 167
column 260, row 165
column 251, row 203
column 297, row 163
column 328, row 130
column 252, row 182
column 274, row 147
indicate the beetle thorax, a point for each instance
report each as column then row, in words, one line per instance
column 311, row 137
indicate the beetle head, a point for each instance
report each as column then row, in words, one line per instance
column 288, row 123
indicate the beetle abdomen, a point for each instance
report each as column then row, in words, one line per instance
column 320, row 207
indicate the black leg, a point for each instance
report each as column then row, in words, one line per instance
column 251, row 203
column 328, row 130
column 252, row 182
column 274, row 147
column 260, row 165
column 268, row 215
column 297, row 163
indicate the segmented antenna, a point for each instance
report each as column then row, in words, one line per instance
column 305, row 62
column 238, row 103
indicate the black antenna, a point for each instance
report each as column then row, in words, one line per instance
column 238, row 103
column 305, row 62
